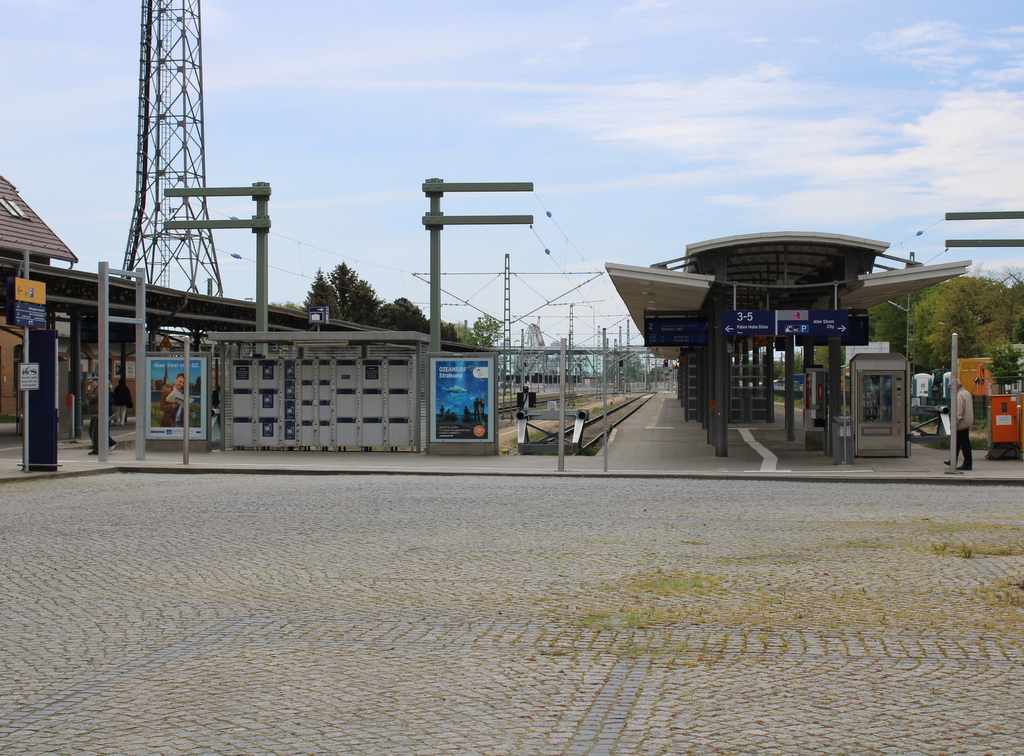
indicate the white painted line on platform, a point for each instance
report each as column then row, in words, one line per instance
column 768, row 460
column 843, row 471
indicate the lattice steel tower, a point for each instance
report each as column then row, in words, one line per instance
column 171, row 149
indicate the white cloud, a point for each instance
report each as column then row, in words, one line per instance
column 929, row 45
column 946, row 48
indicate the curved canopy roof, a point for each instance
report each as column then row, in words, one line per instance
column 776, row 270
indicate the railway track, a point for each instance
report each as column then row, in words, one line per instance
column 593, row 428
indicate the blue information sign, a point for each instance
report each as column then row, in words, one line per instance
column 748, row 322
column 813, row 322
column 675, row 331
column 28, row 315
column 318, row 314
column 785, row 322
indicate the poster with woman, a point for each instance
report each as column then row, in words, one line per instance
column 173, row 405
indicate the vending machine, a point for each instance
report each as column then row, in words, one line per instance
column 815, row 407
column 881, row 418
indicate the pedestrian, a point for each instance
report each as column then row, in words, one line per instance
column 92, row 395
column 964, row 421
column 122, row 402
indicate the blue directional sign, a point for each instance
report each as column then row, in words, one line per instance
column 675, row 331
column 785, row 322
column 812, row 322
column 748, row 322
column 27, row 315
column 318, row 314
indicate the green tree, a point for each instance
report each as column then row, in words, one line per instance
column 486, row 332
column 968, row 306
column 322, row 293
column 449, row 332
column 1005, row 367
column 357, row 301
column 403, row 315
column 888, row 322
column 1010, row 307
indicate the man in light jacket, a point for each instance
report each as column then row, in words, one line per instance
column 964, row 421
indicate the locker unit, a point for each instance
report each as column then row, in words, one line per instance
column 325, row 403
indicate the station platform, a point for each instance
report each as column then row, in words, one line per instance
column 654, row 441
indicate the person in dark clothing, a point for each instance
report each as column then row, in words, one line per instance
column 122, row 402
column 92, row 395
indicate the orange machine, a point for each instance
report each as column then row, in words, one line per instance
column 975, row 374
column 1003, row 427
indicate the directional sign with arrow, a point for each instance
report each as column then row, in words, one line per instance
column 785, row 322
column 748, row 322
column 30, row 291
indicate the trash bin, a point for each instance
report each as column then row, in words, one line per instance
column 843, row 445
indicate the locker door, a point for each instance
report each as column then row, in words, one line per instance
column 399, row 402
column 290, row 405
column 306, row 420
column 325, row 403
column 372, row 385
column 269, row 407
column 243, row 406
column 346, row 403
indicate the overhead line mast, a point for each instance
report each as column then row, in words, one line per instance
column 171, row 150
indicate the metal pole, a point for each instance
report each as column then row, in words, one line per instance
column 141, row 398
column 186, row 409
column 262, row 264
column 75, row 374
column 789, row 397
column 561, row 406
column 955, row 399
column 435, row 272
column 26, row 264
column 604, row 390
column 103, row 390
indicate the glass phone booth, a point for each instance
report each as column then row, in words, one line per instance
column 880, row 405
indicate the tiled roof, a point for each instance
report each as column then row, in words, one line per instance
column 21, row 229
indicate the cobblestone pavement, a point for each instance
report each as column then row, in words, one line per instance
column 408, row 615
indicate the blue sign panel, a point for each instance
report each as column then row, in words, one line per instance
column 675, row 331
column 785, row 322
column 813, row 322
column 318, row 314
column 28, row 315
column 748, row 322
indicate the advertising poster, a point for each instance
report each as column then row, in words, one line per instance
column 462, row 397
column 172, row 404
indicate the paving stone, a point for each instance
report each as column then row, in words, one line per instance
column 417, row 615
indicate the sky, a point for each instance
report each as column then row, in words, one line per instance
column 644, row 125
